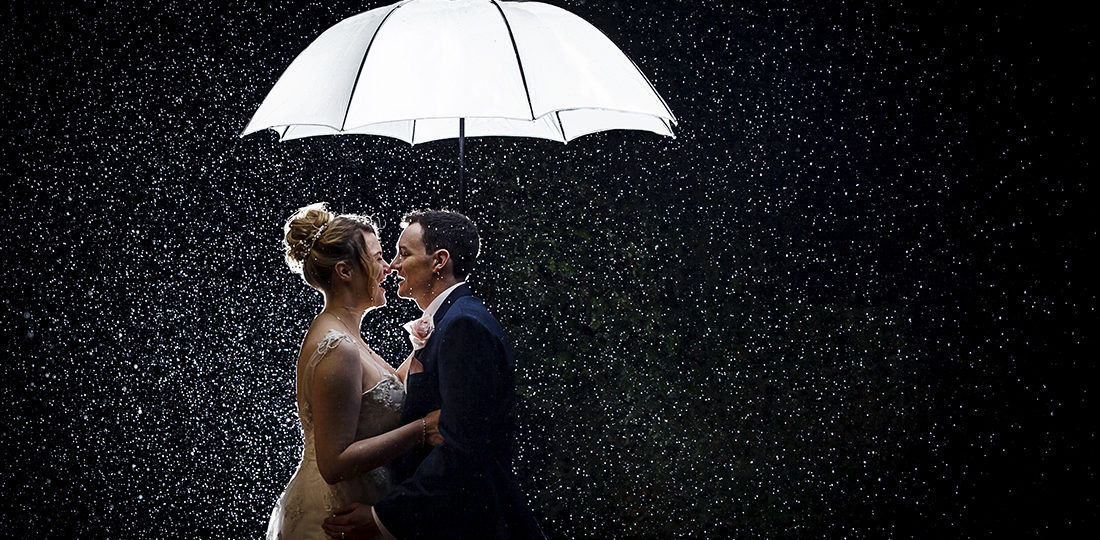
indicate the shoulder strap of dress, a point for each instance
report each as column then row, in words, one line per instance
column 331, row 340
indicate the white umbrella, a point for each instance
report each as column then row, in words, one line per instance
column 425, row 70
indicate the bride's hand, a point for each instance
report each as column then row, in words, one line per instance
column 408, row 367
column 434, row 437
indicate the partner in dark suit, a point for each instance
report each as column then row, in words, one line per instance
column 465, row 487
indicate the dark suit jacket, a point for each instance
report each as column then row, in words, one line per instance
column 465, row 487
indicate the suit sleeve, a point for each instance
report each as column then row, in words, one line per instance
column 455, row 474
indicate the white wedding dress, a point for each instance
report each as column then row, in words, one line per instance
column 308, row 499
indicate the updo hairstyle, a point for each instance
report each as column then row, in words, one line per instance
column 316, row 239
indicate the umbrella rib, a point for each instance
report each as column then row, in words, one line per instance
column 358, row 74
column 519, row 62
column 561, row 127
column 653, row 88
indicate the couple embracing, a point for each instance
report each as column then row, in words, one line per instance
column 421, row 451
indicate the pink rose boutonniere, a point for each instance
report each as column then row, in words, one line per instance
column 419, row 332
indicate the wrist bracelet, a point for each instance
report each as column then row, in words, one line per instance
column 424, row 433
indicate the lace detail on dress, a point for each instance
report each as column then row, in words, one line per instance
column 389, row 393
column 329, row 342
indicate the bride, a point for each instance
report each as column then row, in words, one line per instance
column 349, row 399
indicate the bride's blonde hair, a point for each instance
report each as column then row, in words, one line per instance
column 316, row 239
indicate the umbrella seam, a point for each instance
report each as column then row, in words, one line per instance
column 651, row 87
column 363, row 62
column 561, row 127
column 519, row 62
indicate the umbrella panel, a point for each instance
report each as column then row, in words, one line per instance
column 522, row 69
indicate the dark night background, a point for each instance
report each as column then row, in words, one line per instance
column 852, row 298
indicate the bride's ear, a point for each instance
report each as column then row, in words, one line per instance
column 342, row 270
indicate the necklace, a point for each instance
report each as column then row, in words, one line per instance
column 360, row 343
column 348, row 328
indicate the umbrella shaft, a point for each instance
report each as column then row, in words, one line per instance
column 462, row 165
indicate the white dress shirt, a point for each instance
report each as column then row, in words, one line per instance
column 429, row 312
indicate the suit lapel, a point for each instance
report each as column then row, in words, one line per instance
column 462, row 290
column 423, row 388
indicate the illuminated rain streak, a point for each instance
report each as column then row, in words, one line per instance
column 849, row 299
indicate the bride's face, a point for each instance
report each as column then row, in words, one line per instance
column 375, row 250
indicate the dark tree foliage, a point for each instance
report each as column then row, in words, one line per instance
column 660, row 399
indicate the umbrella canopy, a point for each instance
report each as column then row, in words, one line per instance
column 424, row 70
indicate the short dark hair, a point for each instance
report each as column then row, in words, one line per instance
column 454, row 232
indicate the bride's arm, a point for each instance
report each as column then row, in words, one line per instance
column 336, row 394
column 410, row 365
